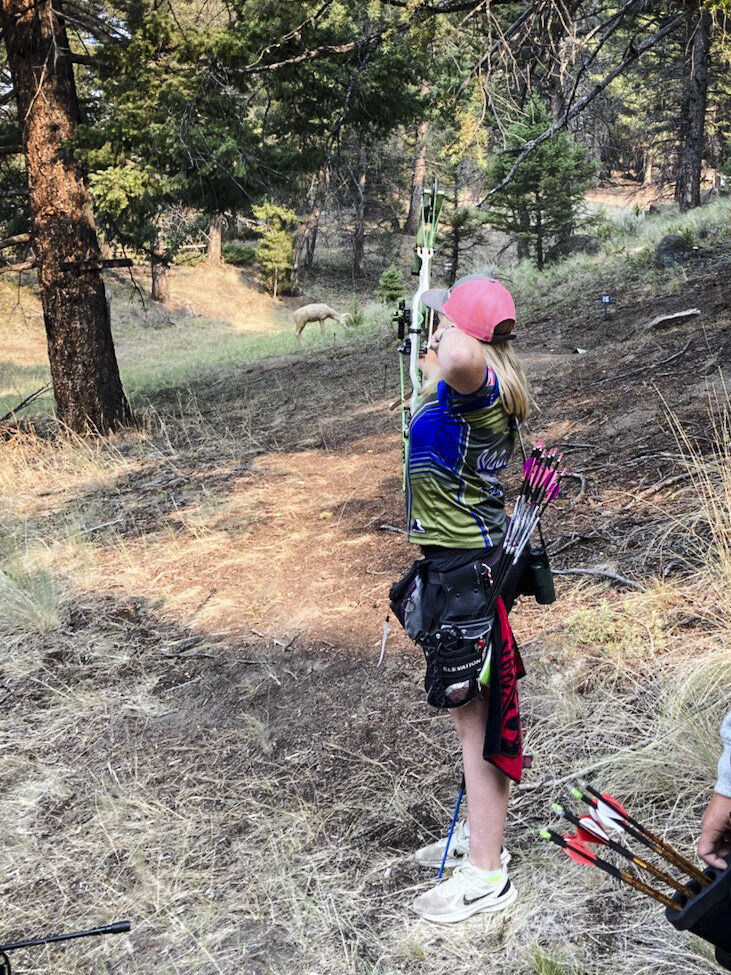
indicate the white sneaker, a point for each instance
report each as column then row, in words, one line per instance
column 465, row 893
column 431, row 855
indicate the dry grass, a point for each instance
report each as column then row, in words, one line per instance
column 262, row 817
column 253, row 806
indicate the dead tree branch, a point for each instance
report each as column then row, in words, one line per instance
column 632, row 54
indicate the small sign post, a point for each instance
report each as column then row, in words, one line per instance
column 606, row 302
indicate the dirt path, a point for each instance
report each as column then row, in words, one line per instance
column 203, row 742
column 294, row 540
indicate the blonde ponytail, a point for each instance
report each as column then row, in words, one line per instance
column 514, row 390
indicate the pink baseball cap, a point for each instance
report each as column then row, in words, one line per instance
column 478, row 305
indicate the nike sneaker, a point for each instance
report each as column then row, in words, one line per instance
column 431, row 855
column 465, row 893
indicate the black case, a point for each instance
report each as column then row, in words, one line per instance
column 708, row 914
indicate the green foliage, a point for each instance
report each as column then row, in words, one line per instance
column 275, row 254
column 543, row 201
column 355, row 316
column 391, row 285
column 241, row 255
column 127, row 200
column 461, row 232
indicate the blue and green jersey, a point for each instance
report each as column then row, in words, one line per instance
column 458, row 445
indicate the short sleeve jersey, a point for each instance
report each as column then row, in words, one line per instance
column 458, row 445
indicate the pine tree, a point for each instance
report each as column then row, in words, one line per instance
column 391, row 286
column 542, row 203
column 275, row 254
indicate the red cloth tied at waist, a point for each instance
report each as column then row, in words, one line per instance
column 503, row 736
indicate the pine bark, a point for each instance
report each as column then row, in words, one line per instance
column 690, row 161
column 160, row 290
column 418, row 176
column 359, row 196
column 84, row 371
column 647, row 163
column 215, row 240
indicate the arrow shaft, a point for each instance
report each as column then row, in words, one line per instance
column 618, row 874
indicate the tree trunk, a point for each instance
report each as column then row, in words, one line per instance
column 539, row 236
column 411, row 224
column 84, row 371
column 647, row 167
column 524, row 241
column 160, row 279
column 690, row 161
column 454, row 254
column 215, row 237
column 311, row 243
column 454, row 257
column 360, row 205
column 306, row 239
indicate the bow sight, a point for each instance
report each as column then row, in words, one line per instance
column 412, row 323
column 121, row 927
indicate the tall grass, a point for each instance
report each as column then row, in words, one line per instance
column 29, row 604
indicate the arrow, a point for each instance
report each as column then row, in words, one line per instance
column 589, row 831
column 580, row 852
column 541, row 484
column 613, row 816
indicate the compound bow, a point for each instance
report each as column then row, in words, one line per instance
column 413, row 322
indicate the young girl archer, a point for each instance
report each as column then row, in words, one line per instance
column 460, row 439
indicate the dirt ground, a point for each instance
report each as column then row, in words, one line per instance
column 234, row 759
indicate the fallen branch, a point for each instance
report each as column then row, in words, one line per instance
column 25, row 266
column 582, row 487
column 392, row 528
column 648, row 492
column 601, row 573
column 677, row 316
column 653, row 365
column 28, row 399
column 104, row 524
column 14, row 241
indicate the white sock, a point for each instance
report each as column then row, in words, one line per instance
column 490, row 877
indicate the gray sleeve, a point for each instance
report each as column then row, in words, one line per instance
column 724, row 764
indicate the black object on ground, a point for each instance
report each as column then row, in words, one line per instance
column 120, row 927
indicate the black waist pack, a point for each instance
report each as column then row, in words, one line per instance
column 447, row 614
column 406, row 598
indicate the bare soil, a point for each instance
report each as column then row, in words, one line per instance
column 239, row 593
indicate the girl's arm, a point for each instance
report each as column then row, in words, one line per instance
column 461, row 361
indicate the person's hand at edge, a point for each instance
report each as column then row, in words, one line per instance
column 715, row 838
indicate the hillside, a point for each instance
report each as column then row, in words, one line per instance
column 195, row 732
